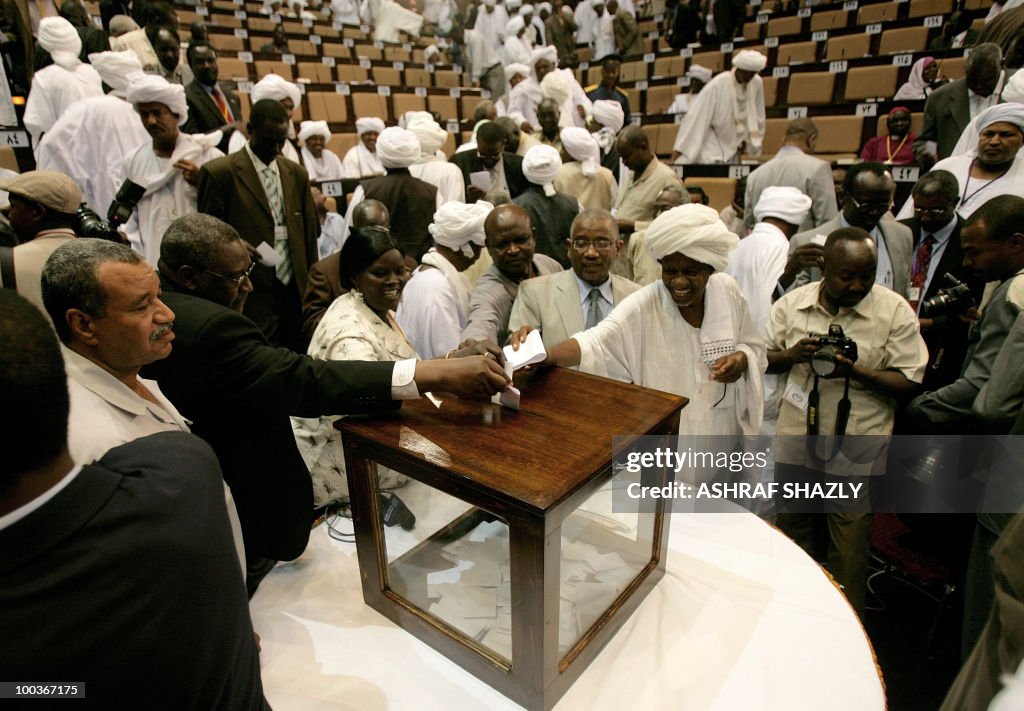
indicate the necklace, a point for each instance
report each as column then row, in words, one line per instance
column 888, row 147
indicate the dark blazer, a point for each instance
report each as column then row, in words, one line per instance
column 947, row 339
column 947, row 112
column 469, row 162
column 231, row 190
column 322, row 287
column 239, row 392
column 203, row 114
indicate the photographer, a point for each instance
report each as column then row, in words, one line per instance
column 872, row 355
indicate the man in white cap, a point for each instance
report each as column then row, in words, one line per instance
column 560, row 32
column 430, row 167
column 562, row 304
column 267, row 199
column 795, row 166
column 279, row 89
column 410, row 201
column 90, row 140
column 168, row 168
column 515, row 74
column 647, row 178
column 994, row 167
column 583, row 177
column 688, row 334
column 361, row 160
column 42, row 213
column 550, row 212
column 435, row 302
column 58, row 86
column 727, row 119
column 516, row 50
column 535, row 21
column 698, row 77
column 609, row 118
column 321, row 162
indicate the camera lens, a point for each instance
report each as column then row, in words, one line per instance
column 823, row 362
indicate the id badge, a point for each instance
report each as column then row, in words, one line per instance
column 796, row 396
column 914, row 293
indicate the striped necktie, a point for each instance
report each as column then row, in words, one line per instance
column 272, row 187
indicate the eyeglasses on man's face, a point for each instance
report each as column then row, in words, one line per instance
column 237, row 279
column 582, row 245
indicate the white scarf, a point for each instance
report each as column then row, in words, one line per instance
column 453, row 275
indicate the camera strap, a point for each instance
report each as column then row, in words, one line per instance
column 842, row 418
column 7, row 274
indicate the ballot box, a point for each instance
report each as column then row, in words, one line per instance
column 518, row 567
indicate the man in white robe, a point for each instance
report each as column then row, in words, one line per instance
column 90, row 140
column 168, row 169
column 515, row 74
column 361, row 161
column 516, row 50
column 604, row 30
column 699, row 77
column 345, row 11
column 435, row 302
column 58, row 86
column 695, row 320
column 431, row 168
column 392, row 18
column 483, row 52
column 586, row 19
column 528, row 94
column 321, row 163
column 275, row 87
column 727, row 119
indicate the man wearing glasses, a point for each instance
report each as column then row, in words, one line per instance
column 562, row 304
column 504, row 170
column 869, row 189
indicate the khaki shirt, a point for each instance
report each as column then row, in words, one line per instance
column 637, row 196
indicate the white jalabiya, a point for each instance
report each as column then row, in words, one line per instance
column 680, row 104
column 977, row 192
column 360, row 163
column 516, row 51
column 168, row 196
column 392, row 18
column 435, row 305
column 54, row 89
column 722, row 116
column 586, row 20
column 89, row 143
column 527, row 94
column 345, row 11
column 646, row 341
column 604, row 35
column 445, row 176
column 490, row 26
column 326, row 167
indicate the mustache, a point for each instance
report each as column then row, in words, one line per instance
column 161, row 330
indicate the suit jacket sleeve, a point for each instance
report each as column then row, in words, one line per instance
column 823, row 195
column 929, row 129
column 525, row 309
column 317, row 299
column 1000, row 399
column 211, row 192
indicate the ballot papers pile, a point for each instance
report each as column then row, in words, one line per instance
column 531, row 351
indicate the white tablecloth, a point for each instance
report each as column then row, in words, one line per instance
column 742, row 620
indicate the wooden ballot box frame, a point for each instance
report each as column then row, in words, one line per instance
column 531, row 468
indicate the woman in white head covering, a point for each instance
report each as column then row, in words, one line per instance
column 56, row 87
column 321, row 162
column 922, row 81
column 583, row 177
column 690, row 333
column 435, row 302
column 362, row 161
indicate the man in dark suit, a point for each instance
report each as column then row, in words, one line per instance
column 129, row 560
column 239, row 392
column 937, row 252
column 280, row 225
column 209, row 106
column 490, row 156
column 948, row 109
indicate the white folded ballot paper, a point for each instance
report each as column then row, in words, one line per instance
column 530, row 351
column 481, row 179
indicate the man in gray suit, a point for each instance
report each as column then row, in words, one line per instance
column 950, row 108
column 793, row 166
column 869, row 190
column 567, row 302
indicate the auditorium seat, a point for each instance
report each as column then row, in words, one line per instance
column 652, row 130
column 783, row 26
column 417, row 77
column 368, row 51
column 712, row 60
column 337, row 50
column 847, row 47
column 8, row 159
column 233, row 68
column 774, row 134
column 797, row 53
column 449, row 145
column 447, row 77
column 903, row 39
column 370, row 104
column 315, row 72
column 877, row 81
column 260, row 24
column 720, row 190
column 771, row 91
column 227, row 43
column 916, row 121
column 751, row 31
column 467, row 104
column 447, row 106
column 340, row 143
column 276, row 66
column 878, row 12
column 397, row 54
column 829, row 20
column 839, row 135
column 633, row 71
column 243, row 101
column 666, row 139
column 810, row 88
column 352, row 73
column 659, row 98
column 387, row 76
column 673, row 66
column 302, row 48
column 952, row 67
column 229, row 21
column 401, row 103
column 925, row 8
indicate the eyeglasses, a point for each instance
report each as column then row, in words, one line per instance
column 237, row 279
column 933, row 211
column 582, row 245
column 871, row 206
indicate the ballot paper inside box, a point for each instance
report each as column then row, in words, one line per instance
column 517, row 569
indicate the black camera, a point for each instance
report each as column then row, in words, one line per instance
column 835, row 343
column 954, row 300
column 121, row 209
column 92, row 225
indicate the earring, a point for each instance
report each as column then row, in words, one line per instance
column 357, row 295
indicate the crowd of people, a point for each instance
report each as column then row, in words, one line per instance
column 173, row 375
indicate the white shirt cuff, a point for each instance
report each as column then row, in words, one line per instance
column 403, row 383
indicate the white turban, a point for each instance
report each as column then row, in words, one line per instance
column 541, row 165
column 457, row 224
column 547, row 52
column 516, row 70
column 490, row 3
column 308, row 129
column 544, row 6
column 696, row 71
column 430, row 52
column 152, row 88
column 397, row 147
column 275, row 87
column 783, row 202
column 114, row 68
column 514, row 26
column 526, row 10
column 1010, row 113
column 749, row 60
column 1014, row 89
column 694, row 231
column 596, row 3
column 609, row 114
column 582, row 146
column 369, row 125
column 427, row 131
column 556, row 86
column 60, row 38
column 513, row 4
